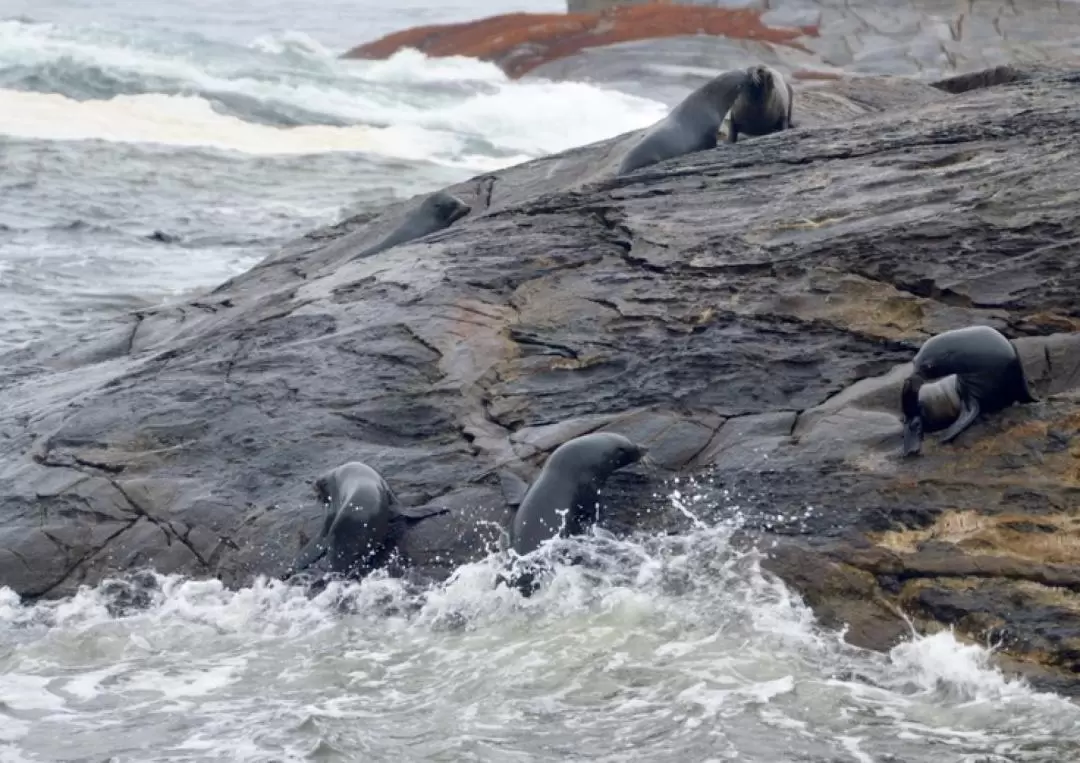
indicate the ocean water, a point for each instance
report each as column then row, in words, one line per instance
column 148, row 150
column 669, row 648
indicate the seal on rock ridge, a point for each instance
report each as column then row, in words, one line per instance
column 564, row 498
column 363, row 521
column 763, row 106
column 439, row 210
column 988, row 372
column 691, row 126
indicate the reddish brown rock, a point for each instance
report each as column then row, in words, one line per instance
column 519, row 42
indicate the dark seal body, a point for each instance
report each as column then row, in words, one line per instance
column 439, row 210
column 691, row 126
column 363, row 521
column 988, row 373
column 763, row 106
column 564, row 499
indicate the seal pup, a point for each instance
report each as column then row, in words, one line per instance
column 763, row 106
column 988, row 377
column 439, row 210
column 364, row 519
column 564, row 499
column 691, row 126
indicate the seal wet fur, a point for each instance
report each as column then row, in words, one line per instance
column 563, row 500
column 363, row 521
column 989, row 377
column 763, row 106
column 691, row 126
column 439, row 210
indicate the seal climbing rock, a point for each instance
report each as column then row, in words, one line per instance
column 763, row 106
column 691, row 126
column 439, row 210
column 362, row 523
column 565, row 497
column 988, row 373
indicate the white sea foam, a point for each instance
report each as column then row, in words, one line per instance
column 704, row 655
column 191, row 121
column 519, row 120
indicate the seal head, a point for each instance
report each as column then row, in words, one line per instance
column 764, row 105
column 988, row 377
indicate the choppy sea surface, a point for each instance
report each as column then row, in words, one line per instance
column 655, row 648
column 148, row 150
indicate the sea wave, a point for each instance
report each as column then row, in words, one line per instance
column 653, row 647
column 287, row 95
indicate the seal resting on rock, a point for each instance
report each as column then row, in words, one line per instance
column 988, row 377
column 691, row 126
column 763, row 106
column 565, row 497
column 363, row 521
column 439, row 210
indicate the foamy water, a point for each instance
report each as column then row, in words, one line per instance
column 137, row 164
column 655, row 649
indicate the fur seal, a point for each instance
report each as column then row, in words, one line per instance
column 988, row 377
column 364, row 519
column 565, row 497
column 763, row 106
column 439, row 210
column 691, row 126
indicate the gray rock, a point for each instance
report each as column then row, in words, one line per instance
column 746, row 311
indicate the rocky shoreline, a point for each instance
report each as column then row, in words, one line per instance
column 747, row 313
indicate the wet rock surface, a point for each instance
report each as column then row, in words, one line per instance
column 746, row 312
column 665, row 50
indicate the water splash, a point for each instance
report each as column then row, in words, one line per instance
column 647, row 648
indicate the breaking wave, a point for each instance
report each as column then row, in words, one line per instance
column 655, row 648
column 288, row 95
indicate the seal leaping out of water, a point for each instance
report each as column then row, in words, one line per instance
column 439, row 210
column 363, row 520
column 564, row 499
column 988, row 377
column 763, row 106
column 691, row 126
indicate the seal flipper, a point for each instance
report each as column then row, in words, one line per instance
column 913, row 421
column 969, row 411
column 313, row 552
